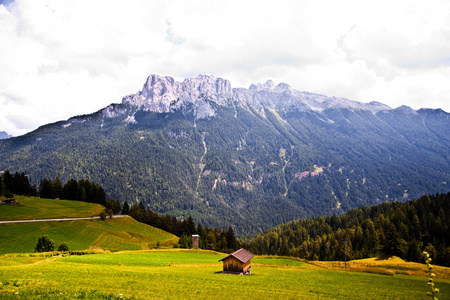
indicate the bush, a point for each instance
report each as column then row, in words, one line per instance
column 103, row 216
column 45, row 244
column 9, row 195
column 63, row 247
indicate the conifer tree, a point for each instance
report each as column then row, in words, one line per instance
column 125, row 208
column 46, row 188
column 8, row 181
column 57, row 188
column 70, row 190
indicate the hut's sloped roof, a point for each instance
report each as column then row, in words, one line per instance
column 242, row 255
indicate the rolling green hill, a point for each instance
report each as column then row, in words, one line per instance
column 118, row 233
column 36, row 208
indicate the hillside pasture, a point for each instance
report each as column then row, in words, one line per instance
column 117, row 234
column 36, row 208
column 391, row 266
column 189, row 274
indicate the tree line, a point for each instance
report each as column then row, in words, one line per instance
column 211, row 239
column 17, row 184
column 82, row 190
column 391, row 228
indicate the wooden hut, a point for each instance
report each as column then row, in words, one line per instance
column 195, row 238
column 237, row 262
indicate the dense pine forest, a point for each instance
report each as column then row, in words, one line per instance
column 82, row 190
column 391, row 228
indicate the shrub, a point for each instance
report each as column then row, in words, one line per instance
column 9, row 195
column 45, row 244
column 63, row 247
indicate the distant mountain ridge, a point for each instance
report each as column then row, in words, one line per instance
column 251, row 158
column 164, row 94
column 4, row 135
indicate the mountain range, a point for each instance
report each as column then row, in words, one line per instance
column 4, row 135
column 249, row 158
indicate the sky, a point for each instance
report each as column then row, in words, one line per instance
column 62, row 58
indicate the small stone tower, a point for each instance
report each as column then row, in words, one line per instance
column 195, row 238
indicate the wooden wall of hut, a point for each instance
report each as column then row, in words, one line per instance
column 231, row 264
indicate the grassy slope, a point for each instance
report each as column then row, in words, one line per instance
column 195, row 274
column 36, row 208
column 119, row 234
column 390, row 266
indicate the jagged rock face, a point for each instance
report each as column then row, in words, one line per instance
column 164, row 94
column 157, row 94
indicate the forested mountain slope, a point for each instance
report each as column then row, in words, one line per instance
column 249, row 158
column 391, row 228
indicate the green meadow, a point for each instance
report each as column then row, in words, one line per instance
column 193, row 274
column 114, row 234
column 36, row 208
column 139, row 271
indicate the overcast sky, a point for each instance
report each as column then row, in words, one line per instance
column 61, row 58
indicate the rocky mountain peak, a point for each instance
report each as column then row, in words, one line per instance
column 269, row 84
column 406, row 110
column 165, row 94
column 206, row 85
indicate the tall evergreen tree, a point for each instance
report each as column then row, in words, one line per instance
column 57, row 188
column 393, row 244
column 19, row 184
column 70, row 190
column 125, row 208
column 46, row 189
column 188, row 226
column 99, row 195
column 232, row 242
column 8, row 180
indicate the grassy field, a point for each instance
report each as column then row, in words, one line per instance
column 140, row 273
column 390, row 266
column 117, row 233
column 36, row 208
column 189, row 274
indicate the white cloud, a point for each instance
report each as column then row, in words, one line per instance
column 61, row 58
